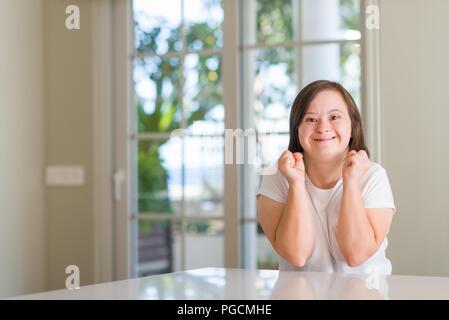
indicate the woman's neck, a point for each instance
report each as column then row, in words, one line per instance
column 324, row 174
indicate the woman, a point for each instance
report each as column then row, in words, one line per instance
column 328, row 208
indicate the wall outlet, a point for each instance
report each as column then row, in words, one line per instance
column 65, row 176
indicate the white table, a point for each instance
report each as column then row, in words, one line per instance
column 242, row 284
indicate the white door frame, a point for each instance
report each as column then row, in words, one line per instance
column 231, row 101
column 111, row 126
column 371, row 108
column 102, row 129
column 124, row 188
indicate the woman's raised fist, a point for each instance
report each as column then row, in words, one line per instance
column 292, row 167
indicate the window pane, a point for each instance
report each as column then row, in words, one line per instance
column 204, row 182
column 270, row 148
column 204, row 244
column 156, row 82
column 320, row 62
column 350, row 70
column 159, row 247
column 330, row 19
column 203, row 19
column 203, row 92
column 160, row 176
column 157, row 27
column 269, row 21
column 266, row 256
column 272, row 87
column 335, row 62
column 257, row 250
column 273, row 77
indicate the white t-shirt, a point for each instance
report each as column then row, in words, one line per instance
column 325, row 206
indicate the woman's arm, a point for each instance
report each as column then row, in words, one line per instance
column 294, row 234
column 360, row 230
column 289, row 227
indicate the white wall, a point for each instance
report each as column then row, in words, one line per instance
column 415, row 107
column 22, row 246
column 46, row 119
column 68, row 140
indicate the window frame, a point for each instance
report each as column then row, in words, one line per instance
column 126, row 138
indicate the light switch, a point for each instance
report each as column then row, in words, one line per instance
column 65, row 176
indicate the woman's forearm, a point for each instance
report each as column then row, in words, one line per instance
column 294, row 236
column 355, row 235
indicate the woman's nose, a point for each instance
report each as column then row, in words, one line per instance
column 323, row 126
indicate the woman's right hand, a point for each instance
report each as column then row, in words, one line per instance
column 292, row 167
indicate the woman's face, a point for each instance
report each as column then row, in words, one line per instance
column 325, row 130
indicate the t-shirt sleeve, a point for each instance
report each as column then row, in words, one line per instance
column 377, row 193
column 274, row 186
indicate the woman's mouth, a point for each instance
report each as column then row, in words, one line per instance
column 324, row 139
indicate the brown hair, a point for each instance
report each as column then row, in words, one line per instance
column 302, row 102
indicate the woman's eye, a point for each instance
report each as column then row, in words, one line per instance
column 335, row 117
column 310, row 120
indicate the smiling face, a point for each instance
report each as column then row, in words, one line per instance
column 325, row 130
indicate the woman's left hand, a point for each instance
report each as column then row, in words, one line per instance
column 355, row 165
